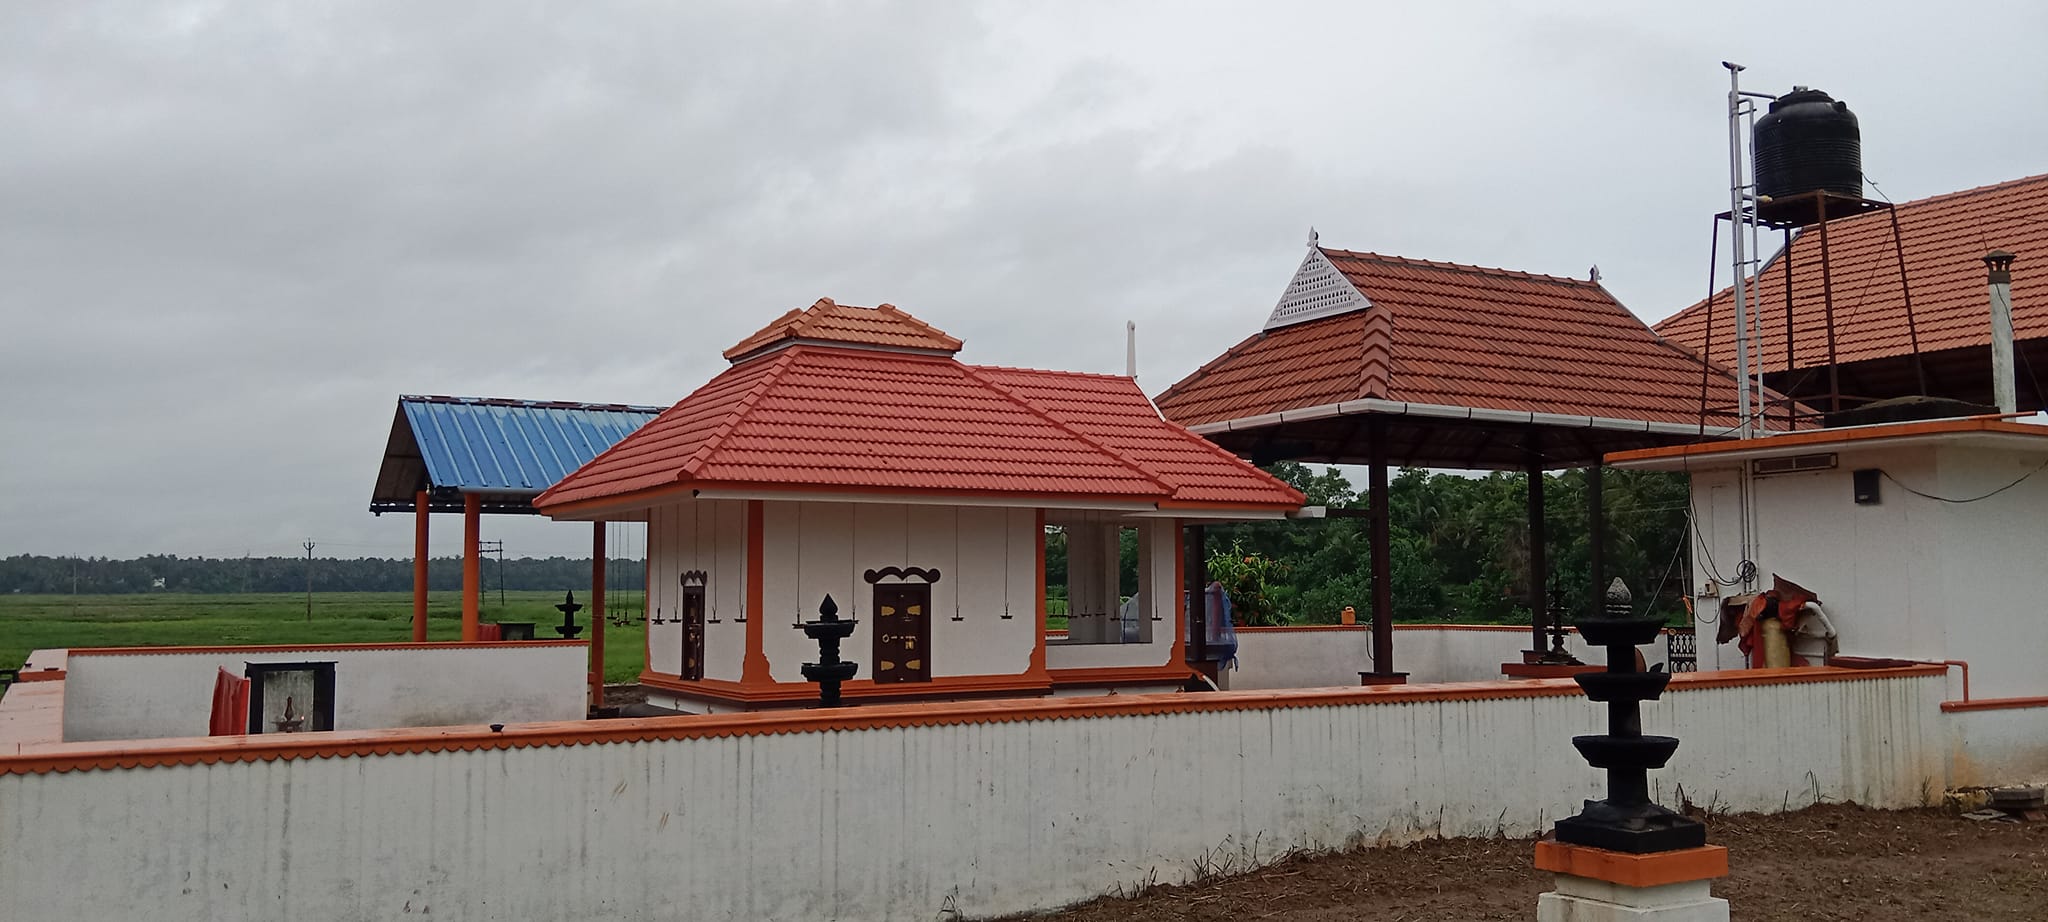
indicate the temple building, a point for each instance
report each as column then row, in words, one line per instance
column 847, row 453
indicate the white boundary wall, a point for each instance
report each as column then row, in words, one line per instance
column 2002, row 746
column 904, row 816
column 1319, row 656
column 169, row 693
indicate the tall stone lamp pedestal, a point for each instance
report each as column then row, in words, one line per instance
column 1626, row 857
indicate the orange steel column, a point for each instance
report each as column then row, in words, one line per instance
column 472, row 576
column 419, row 567
column 597, row 614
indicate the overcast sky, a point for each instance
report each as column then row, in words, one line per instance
column 231, row 234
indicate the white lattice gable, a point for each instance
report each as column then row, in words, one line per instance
column 1317, row 290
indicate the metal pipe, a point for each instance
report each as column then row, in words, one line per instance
column 1735, row 186
column 2003, row 388
column 1131, row 349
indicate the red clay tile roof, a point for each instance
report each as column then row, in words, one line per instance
column 820, row 418
column 1112, row 410
column 1945, row 239
column 825, row 322
column 1447, row 334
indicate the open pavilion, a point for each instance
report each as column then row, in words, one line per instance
column 1379, row 360
column 477, row 455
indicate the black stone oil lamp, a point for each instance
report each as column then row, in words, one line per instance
column 569, row 607
column 1627, row 821
column 829, row 670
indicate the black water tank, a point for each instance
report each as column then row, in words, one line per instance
column 1808, row 142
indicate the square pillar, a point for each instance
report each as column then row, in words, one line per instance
column 597, row 571
column 421, row 507
column 472, row 574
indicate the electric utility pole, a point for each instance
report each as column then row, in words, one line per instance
column 498, row 548
column 309, row 579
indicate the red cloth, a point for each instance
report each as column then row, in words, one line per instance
column 1788, row 598
column 230, row 705
column 489, row 631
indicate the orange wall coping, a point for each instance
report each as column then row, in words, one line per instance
column 1652, row 870
column 1367, row 627
column 269, row 747
column 336, row 647
column 1828, row 437
column 1974, row 704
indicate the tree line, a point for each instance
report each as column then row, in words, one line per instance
column 1459, row 554
column 1459, row 548
column 28, row 573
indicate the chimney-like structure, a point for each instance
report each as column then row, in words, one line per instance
column 2003, row 390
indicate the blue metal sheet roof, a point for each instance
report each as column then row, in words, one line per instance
column 504, row 448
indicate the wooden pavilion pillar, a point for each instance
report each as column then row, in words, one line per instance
column 597, row 570
column 1539, row 567
column 1195, row 545
column 419, row 566
column 1596, row 538
column 472, row 575
column 1380, row 530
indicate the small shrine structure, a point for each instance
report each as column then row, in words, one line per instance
column 848, row 452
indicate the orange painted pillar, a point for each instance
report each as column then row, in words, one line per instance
column 472, row 574
column 419, row 567
column 597, row 553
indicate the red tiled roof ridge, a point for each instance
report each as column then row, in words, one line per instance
column 1042, row 413
column 1026, row 369
column 810, row 323
column 1368, row 256
column 715, row 440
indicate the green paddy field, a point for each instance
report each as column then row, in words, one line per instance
column 32, row 622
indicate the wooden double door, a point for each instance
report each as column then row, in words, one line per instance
column 903, row 633
column 692, row 617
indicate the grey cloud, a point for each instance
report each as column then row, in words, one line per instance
column 231, row 233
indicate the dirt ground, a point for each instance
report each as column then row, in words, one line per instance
column 1823, row 863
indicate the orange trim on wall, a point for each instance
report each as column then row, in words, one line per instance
column 1832, row 437
column 1366, row 627
column 804, row 693
column 337, row 647
column 1975, row 704
column 43, row 675
column 63, row 757
column 754, row 671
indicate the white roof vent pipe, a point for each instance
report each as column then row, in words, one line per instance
column 2003, row 389
column 1131, row 349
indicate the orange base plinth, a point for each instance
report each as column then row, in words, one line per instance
column 1652, row 870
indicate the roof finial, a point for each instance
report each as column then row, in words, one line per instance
column 1312, row 238
column 1595, row 274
